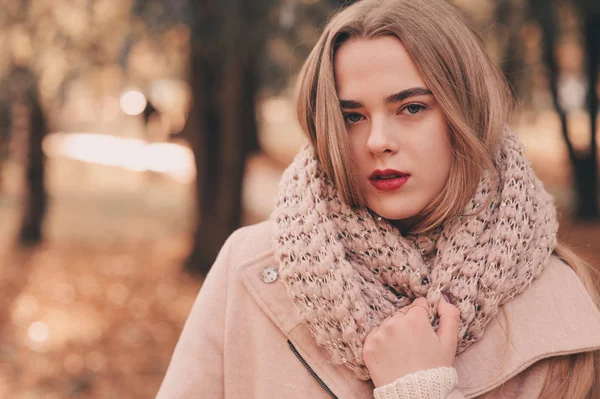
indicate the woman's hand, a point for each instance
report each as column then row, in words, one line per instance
column 406, row 343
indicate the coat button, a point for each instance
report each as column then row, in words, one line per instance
column 269, row 274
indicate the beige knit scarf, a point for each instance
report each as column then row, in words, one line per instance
column 346, row 271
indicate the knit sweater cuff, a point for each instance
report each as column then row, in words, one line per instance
column 428, row 384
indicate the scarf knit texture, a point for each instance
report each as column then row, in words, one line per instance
column 346, row 270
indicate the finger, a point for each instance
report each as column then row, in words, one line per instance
column 372, row 332
column 398, row 313
column 421, row 303
column 448, row 326
column 390, row 318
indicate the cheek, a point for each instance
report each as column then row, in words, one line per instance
column 437, row 156
column 357, row 146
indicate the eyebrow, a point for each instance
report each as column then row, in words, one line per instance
column 394, row 98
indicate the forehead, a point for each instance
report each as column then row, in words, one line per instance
column 379, row 66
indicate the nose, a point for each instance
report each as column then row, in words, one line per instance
column 381, row 138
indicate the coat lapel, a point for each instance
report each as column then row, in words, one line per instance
column 554, row 317
column 277, row 305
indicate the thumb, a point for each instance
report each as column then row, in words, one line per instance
column 448, row 326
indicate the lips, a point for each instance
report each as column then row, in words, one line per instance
column 389, row 179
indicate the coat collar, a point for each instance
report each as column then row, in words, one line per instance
column 554, row 317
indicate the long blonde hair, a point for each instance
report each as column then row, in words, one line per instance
column 472, row 94
column 452, row 60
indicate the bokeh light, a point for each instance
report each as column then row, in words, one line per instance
column 133, row 102
column 175, row 160
column 38, row 332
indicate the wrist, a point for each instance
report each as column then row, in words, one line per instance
column 434, row 383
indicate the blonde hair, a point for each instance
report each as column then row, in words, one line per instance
column 475, row 100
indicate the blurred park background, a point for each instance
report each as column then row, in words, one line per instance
column 136, row 135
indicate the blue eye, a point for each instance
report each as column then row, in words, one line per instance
column 353, row 117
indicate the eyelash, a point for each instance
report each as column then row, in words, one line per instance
column 421, row 108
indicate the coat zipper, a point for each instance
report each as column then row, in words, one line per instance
column 311, row 371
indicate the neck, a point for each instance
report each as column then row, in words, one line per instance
column 405, row 225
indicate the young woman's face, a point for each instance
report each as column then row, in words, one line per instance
column 397, row 131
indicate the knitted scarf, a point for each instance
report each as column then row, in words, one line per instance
column 346, row 271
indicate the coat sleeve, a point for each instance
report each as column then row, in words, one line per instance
column 196, row 367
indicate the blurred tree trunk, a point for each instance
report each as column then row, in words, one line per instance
column 509, row 18
column 36, row 129
column 5, row 130
column 588, row 176
column 584, row 164
column 227, row 43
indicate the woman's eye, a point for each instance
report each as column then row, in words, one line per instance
column 414, row 108
column 353, row 118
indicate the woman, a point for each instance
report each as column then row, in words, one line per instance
column 412, row 252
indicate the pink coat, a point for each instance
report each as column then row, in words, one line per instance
column 244, row 338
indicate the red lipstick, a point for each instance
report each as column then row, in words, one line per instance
column 388, row 180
